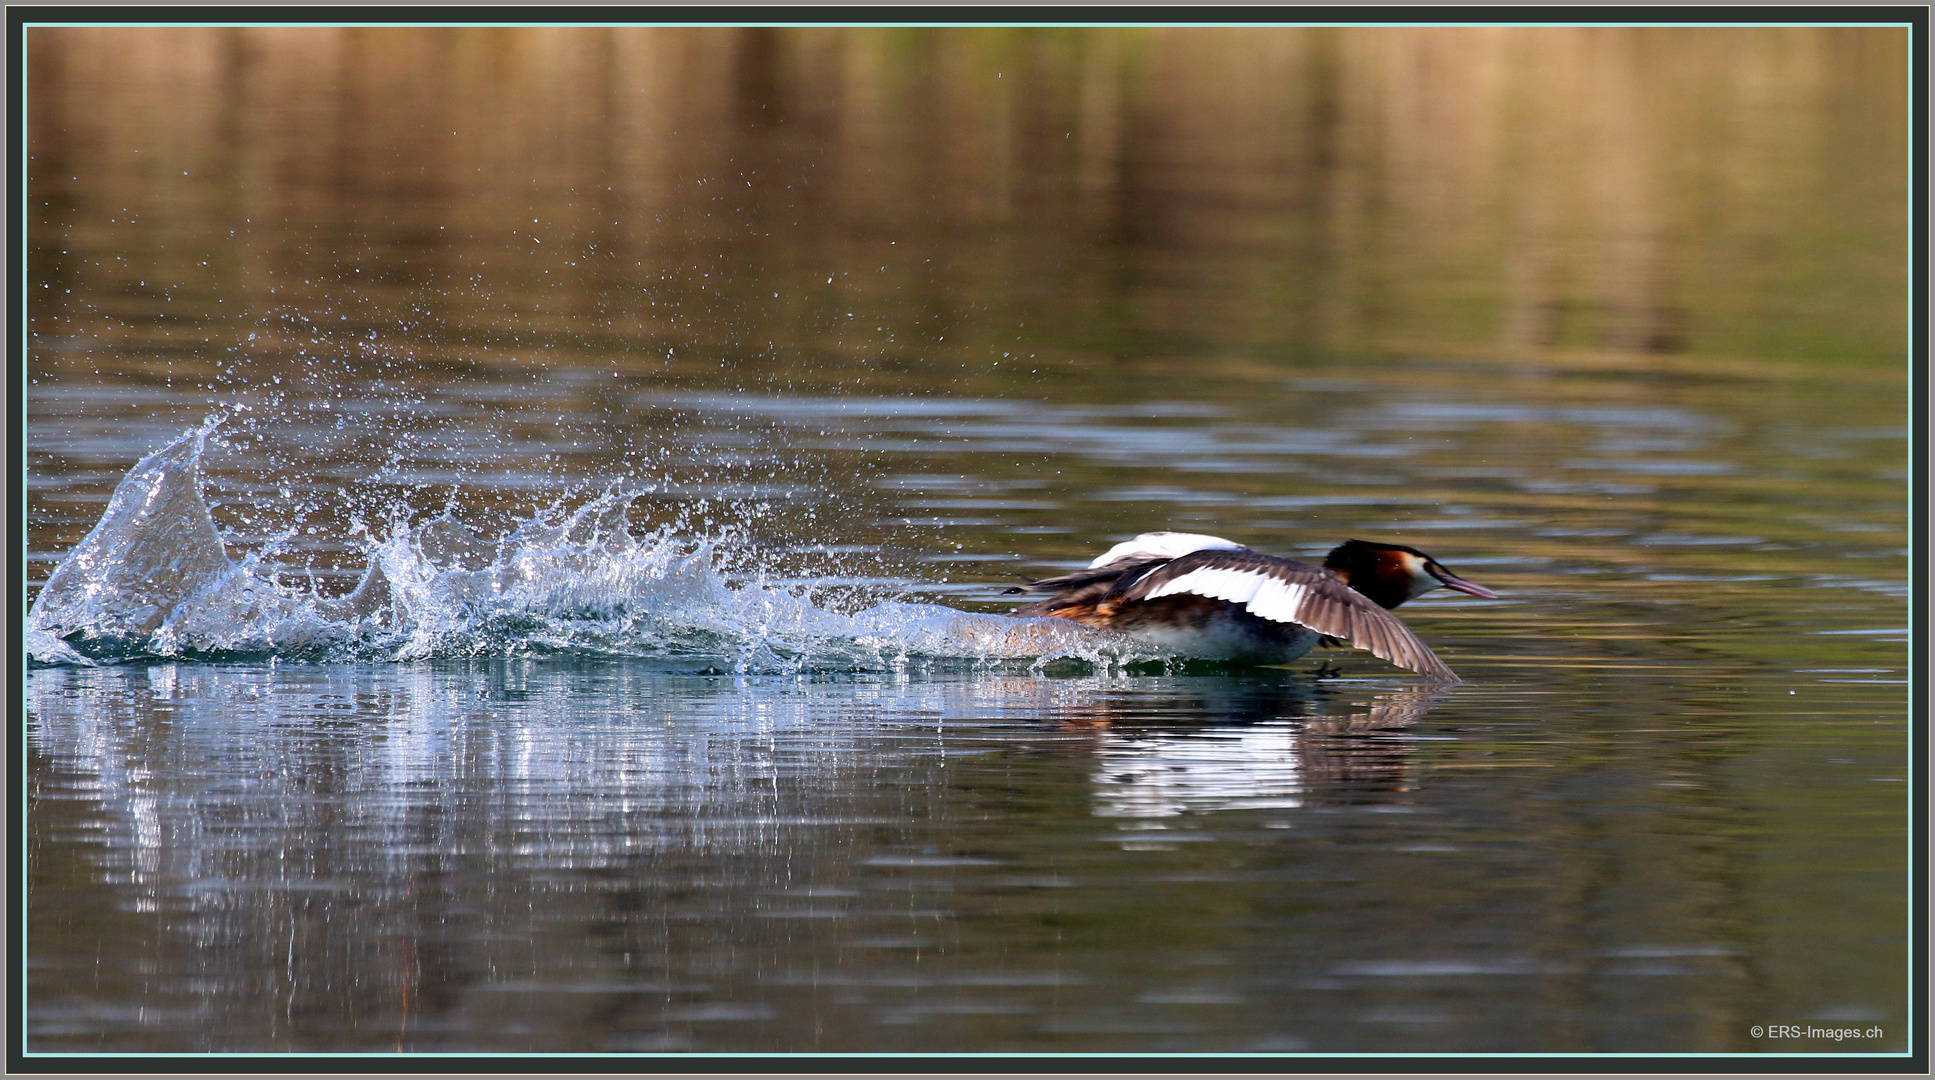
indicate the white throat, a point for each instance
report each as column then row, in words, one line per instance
column 1422, row 580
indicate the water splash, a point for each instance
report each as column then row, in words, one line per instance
column 154, row 547
column 154, row 578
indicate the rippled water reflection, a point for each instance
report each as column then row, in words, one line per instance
column 555, row 856
column 907, row 316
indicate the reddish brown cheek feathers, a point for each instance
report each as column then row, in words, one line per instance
column 1386, row 581
column 1382, row 574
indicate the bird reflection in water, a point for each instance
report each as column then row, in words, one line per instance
column 1285, row 749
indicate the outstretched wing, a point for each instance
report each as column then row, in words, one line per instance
column 1118, row 567
column 1285, row 591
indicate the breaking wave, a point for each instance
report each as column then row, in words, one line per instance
column 154, row 578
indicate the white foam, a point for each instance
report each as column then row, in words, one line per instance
column 153, row 579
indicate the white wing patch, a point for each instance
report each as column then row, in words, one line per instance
column 1236, row 586
column 1165, row 545
column 1278, row 600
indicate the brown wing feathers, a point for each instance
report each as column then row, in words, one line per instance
column 1083, row 589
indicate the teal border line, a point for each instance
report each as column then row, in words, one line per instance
column 17, row 542
column 996, row 1054
column 1915, row 957
column 18, row 213
column 913, row 25
column 1917, row 347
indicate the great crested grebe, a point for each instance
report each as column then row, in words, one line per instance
column 1205, row 596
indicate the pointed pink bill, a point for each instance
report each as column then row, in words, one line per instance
column 1453, row 581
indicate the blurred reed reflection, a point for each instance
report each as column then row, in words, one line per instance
column 859, row 194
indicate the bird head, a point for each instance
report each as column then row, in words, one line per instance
column 1390, row 574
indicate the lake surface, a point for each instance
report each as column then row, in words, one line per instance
column 674, row 376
